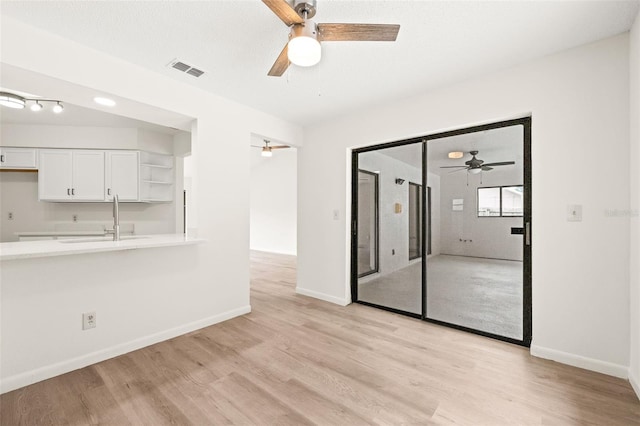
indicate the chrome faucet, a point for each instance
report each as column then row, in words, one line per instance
column 116, row 220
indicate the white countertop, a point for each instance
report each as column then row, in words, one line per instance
column 47, row 248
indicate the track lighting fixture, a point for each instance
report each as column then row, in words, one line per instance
column 12, row 100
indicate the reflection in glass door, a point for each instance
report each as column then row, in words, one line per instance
column 367, row 223
column 415, row 221
column 396, row 282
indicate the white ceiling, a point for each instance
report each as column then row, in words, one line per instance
column 236, row 42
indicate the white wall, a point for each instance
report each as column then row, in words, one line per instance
column 19, row 190
column 274, row 183
column 579, row 102
column 634, row 50
column 211, row 281
column 488, row 237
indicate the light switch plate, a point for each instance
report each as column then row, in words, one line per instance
column 574, row 213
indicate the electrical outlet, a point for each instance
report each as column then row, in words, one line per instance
column 75, row 217
column 10, row 215
column 88, row 320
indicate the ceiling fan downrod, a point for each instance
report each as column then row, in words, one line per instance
column 305, row 8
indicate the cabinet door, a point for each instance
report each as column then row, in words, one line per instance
column 54, row 176
column 122, row 175
column 18, row 158
column 88, row 176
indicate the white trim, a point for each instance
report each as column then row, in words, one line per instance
column 635, row 384
column 48, row 371
column 322, row 296
column 592, row 364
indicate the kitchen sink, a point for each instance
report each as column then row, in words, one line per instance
column 100, row 239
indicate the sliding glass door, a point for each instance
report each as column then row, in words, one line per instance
column 453, row 221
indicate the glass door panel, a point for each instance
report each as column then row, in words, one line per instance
column 475, row 273
column 397, row 282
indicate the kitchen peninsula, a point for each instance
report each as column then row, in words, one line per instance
column 135, row 288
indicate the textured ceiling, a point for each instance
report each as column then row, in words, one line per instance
column 236, row 42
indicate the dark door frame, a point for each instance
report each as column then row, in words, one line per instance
column 526, row 241
column 377, row 219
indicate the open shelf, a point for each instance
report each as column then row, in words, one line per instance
column 156, row 177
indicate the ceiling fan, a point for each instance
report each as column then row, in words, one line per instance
column 267, row 148
column 303, row 48
column 476, row 166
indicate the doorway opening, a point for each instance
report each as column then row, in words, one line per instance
column 454, row 241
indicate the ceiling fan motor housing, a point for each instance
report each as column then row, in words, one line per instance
column 302, row 6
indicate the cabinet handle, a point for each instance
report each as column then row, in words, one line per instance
column 108, row 191
column 68, row 191
column 73, row 191
column 2, row 158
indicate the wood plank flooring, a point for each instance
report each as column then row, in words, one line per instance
column 296, row 360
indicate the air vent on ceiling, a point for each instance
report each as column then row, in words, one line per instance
column 181, row 66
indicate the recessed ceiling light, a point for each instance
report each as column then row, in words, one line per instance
column 104, row 101
column 456, row 154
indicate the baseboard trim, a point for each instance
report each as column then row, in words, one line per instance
column 27, row 378
column 596, row 365
column 322, row 296
column 635, row 384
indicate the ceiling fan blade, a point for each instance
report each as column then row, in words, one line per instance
column 451, row 167
column 502, row 163
column 486, row 168
column 281, row 64
column 459, row 170
column 280, row 147
column 284, row 11
column 358, row 32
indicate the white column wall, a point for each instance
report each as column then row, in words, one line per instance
column 579, row 102
column 634, row 158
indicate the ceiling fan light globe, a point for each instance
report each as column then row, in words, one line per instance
column 266, row 152
column 304, row 51
column 475, row 171
column 304, row 48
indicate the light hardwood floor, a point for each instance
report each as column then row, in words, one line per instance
column 296, row 360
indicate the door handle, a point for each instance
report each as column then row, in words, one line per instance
column 527, row 233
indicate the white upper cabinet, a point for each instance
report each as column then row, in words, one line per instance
column 121, row 177
column 18, row 158
column 71, row 175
